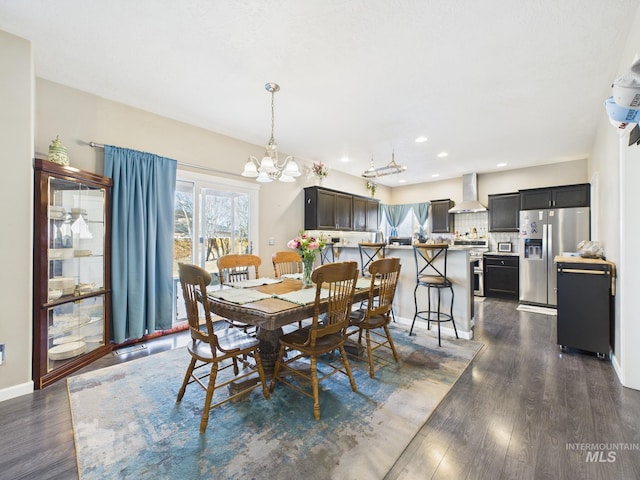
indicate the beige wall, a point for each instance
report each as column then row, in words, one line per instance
column 16, row 198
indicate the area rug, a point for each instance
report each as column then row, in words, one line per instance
column 127, row 425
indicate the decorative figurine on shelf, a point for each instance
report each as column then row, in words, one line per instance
column 58, row 152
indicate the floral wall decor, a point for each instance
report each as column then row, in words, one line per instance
column 319, row 170
column 371, row 186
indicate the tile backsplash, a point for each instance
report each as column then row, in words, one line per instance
column 465, row 223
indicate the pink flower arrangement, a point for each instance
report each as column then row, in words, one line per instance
column 307, row 245
column 319, row 170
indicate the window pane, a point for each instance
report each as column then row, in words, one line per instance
column 183, row 225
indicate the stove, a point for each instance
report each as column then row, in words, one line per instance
column 477, row 249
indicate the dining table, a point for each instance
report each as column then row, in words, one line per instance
column 271, row 304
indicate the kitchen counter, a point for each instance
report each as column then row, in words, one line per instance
column 505, row 254
column 404, row 307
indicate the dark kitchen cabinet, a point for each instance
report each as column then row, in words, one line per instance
column 501, row 276
column 441, row 220
column 503, row 212
column 326, row 209
column 565, row 196
column 365, row 214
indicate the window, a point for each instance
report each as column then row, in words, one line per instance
column 213, row 217
column 407, row 228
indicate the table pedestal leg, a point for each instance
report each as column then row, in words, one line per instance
column 269, row 346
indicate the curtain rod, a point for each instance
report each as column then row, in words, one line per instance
column 182, row 164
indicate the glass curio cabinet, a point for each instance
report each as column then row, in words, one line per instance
column 71, row 266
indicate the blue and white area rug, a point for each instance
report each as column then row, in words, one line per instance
column 127, row 425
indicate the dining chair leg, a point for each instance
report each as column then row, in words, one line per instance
column 369, row 352
column 347, row 367
column 276, row 368
column 187, row 376
column 207, row 401
column 263, row 379
column 391, row 344
column 314, row 386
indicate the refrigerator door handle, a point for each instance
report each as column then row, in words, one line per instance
column 549, row 238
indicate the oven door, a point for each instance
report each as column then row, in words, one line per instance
column 478, row 277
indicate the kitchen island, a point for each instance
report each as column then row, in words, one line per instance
column 458, row 270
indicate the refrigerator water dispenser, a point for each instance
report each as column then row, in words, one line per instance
column 533, row 248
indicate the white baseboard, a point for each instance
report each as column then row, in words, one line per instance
column 16, row 391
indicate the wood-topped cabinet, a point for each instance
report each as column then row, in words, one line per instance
column 71, row 270
column 326, row 209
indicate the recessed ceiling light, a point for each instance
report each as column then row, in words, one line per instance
column 435, row 175
column 345, row 159
column 421, row 139
column 442, row 155
column 402, row 180
column 501, row 164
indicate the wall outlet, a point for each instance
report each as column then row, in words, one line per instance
column 1, row 353
column 272, row 241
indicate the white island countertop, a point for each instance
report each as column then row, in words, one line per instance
column 458, row 270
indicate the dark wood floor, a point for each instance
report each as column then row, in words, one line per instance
column 514, row 413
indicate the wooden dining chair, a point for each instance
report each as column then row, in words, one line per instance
column 286, row 263
column 213, row 352
column 235, row 267
column 373, row 321
column 325, row 334
column 369, row 253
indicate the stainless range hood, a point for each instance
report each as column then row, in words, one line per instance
column 470, row 201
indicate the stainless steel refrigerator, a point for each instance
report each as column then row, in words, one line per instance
column 545, row 234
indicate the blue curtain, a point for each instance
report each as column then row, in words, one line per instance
column 142, row 210
column 395, row 215
column 421, row 211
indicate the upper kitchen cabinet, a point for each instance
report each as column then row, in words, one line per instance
column 71, row 270
column 365, row 214
column 441, row 219
column 326, row 209
column 504, row 212
column 565, row 196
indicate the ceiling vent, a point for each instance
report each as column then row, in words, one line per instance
column 470, row 201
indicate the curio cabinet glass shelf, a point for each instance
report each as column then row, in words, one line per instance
column 71, row 294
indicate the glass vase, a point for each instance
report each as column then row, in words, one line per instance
column 307, row 269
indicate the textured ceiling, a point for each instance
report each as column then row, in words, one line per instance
column 488, row 82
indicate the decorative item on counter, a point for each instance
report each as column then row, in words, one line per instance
column 590, row 249
column 308, row 247
column 371, row 186
column 320, row 171
column 58, row 152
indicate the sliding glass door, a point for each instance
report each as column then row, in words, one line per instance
column 213, row 217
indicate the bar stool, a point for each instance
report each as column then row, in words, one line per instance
column 430, row 275
column 326, row 254
column 370, row 252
